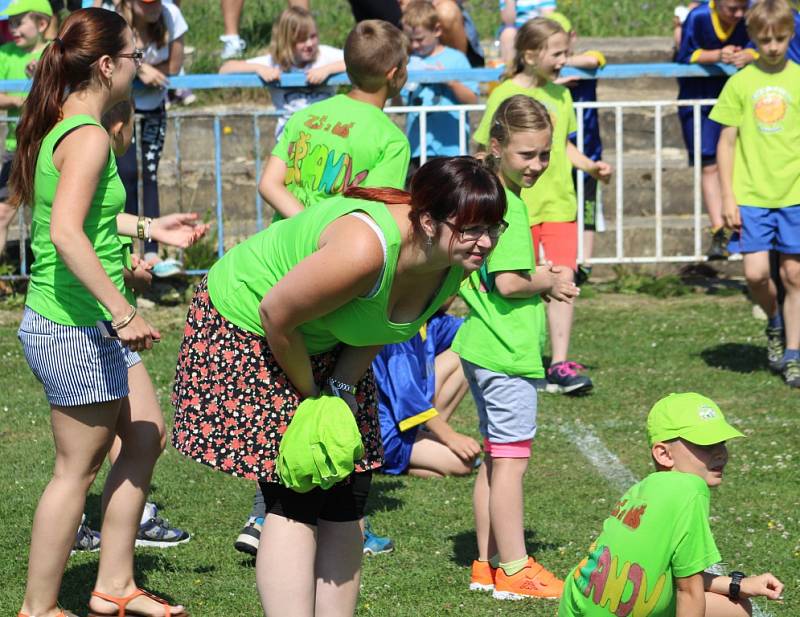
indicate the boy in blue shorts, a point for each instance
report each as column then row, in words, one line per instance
column 713, row 32
column 759, row 160
column 650, row 559
column 27, row 21
column 424, row 31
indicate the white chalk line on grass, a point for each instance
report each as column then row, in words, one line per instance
column 615, row 473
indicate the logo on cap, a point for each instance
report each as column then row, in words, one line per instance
column 706, row 413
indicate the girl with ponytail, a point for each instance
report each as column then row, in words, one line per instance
column 66, row 172
column 304, row 307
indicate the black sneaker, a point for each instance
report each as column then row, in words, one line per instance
column 719, row 245
column 249, row 537
column 563, row 378
column 156, row 531
column 582, row 274
column 775, row 348
column 791, row 373
column 86, row 539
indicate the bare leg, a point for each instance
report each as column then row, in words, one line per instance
column 712, row 195
column 141, row 433
column 432, row 459
column 231, row 15
column 588, row 246
column 506, row 507
column 7, row 213
column 338, row 568
column 720, row 606
column 480, row 505
column 559, row 321
column 285, row 567
column 82, row 436
column 759, row 282
column 451, row 385
column 790, row 275
column 507, row 45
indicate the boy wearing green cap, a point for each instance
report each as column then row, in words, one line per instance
column 650, row 559
column 27, row 21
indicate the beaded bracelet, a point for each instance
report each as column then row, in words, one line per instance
column 339, row 387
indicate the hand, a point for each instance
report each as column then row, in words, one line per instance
column 762, row 585
column 268, row 73
column 464, row 447
column 30, row 68
column 601, row 171
column 317, row 75
column 138, row 278
column 138, row 334
column 727, row 53
column 151, row 76
column 180, row 229
column 731, row 215
column 562, row 289
column 742, row 58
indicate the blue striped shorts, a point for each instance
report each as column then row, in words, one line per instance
column 75, row 364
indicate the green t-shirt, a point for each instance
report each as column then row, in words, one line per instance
column 504, row 334
column 337, row 143
column 657, row 532
column 552, row 199
column 765, row 108
column 13, row 61
column 239, row 281
column 53, row 290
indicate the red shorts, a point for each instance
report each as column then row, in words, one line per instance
column 557, row 243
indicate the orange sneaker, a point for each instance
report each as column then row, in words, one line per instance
column 533, row 581
column 482, row 578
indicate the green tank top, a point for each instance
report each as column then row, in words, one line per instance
column 53, row 290
column 240, row 280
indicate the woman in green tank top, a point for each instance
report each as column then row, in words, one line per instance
column 304, row 306
column 65, row 171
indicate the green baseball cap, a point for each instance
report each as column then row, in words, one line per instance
column 18, row 7
column 320, row 446
column 690, row 416
column 561, row 19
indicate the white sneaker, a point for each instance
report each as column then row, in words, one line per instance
column 233, row 46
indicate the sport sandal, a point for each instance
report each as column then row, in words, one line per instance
column 123, row 602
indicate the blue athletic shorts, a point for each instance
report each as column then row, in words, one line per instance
column 75, row 364
column 709, row 134
column 765, row 229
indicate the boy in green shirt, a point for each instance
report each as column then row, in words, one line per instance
column 759, row 162
column 650, row 559
column 345, row 140
column 27, row 20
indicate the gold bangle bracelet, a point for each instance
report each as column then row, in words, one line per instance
column 118, row 325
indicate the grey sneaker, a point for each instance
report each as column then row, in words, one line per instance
column 155, row 531
column 791, row 373
column 233, row 46
column 86, row 539
column 775, row 348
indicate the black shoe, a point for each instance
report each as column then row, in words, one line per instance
column 719, row 245
column 249, row 537
column 791, row 373
column 582, row 274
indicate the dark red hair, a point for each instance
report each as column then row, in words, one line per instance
column 66, row 66
column 457, row 189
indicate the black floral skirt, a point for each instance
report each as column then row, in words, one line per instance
column 233, row 402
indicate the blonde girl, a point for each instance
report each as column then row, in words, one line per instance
column 294, row 47
column 499, row 345
column 541, row 48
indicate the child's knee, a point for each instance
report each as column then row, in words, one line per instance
column 790, row 272
column 757, row 274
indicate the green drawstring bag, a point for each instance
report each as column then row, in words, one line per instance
column 321, row 445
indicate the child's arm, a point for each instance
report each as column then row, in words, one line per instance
column 463, row 446
column 8, row 101
column 452, row 21
column 587, row 60
column 691, row 597
column 765, row 585
column 725, row 157
column 509, row 13
column 598, row 170
column 267, row 73
column 273, row 189
column 172, row 65
column 321, row 73
column 547, row 281
column 462, row 93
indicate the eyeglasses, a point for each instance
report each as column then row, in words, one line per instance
column 473, row 233
column 137, row 55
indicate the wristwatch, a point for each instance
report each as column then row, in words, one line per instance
column 735, row 586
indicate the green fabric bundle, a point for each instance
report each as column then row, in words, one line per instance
column 320, row 446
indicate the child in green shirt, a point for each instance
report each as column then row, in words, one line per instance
column 28, row 21
column 650, row 559
column 541, row 52
column 345, row 140
column 759, row 163
column 499, row 345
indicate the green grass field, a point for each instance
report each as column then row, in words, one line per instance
column 638, row 349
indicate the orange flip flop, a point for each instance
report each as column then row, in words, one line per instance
column 123, row 602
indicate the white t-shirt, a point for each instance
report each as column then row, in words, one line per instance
column 289, row 100
column 152, row 98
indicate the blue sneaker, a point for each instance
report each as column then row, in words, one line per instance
column 86, row 539
column 375, row 544
column 167, row 267
column 155, row 531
